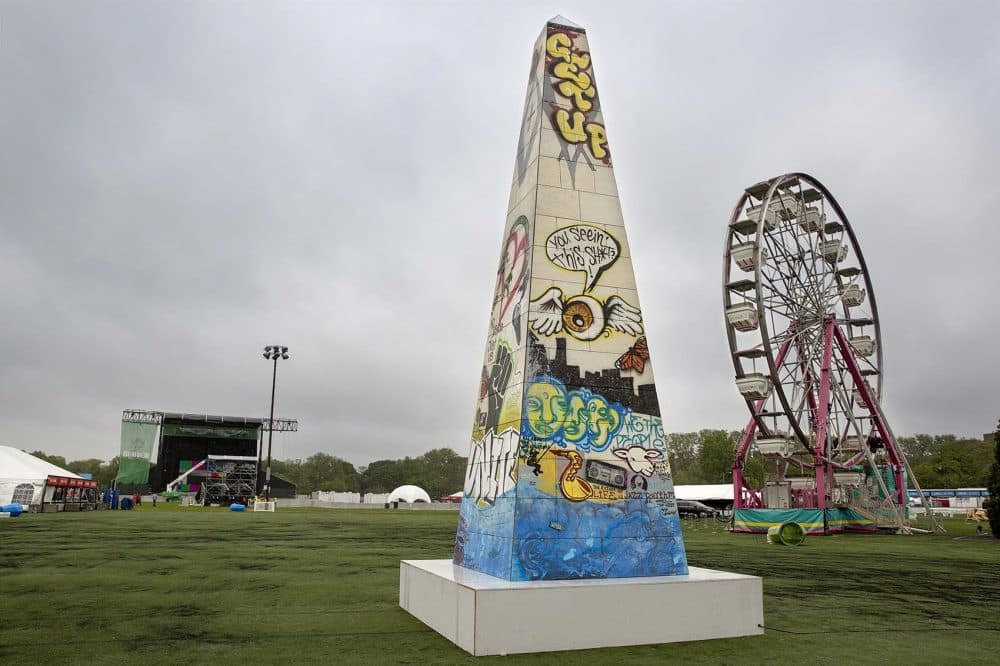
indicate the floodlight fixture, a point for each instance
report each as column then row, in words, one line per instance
column 272, row 353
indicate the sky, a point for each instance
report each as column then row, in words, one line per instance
column 182, row 183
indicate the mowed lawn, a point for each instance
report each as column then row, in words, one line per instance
column 193, row 585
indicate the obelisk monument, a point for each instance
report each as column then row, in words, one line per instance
column 568, row 474
column 569, row 501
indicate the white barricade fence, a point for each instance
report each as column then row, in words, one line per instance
column 348, row 498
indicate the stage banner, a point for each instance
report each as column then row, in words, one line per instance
column 138, row 440
column 213, row 432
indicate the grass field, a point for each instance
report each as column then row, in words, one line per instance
column 193, row 585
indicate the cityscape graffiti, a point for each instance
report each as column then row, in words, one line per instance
column 609, row 381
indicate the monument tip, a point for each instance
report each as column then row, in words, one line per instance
column 564, row 22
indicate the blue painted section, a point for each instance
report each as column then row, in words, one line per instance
column 496, row 519
column 555, row 539
column 483, row 541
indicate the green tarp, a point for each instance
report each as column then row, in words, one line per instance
column 811, row 520
column 138, row 440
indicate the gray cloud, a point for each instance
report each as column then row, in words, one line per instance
column 181, row 184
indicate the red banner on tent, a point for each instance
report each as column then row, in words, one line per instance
column 69, row 482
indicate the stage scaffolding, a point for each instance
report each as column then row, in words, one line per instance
column 145, row 416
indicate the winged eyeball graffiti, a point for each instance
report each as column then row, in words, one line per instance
column 584, row 317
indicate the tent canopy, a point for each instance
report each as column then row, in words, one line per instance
column 409, row 494
column 700, row 493
column 16, row 464
column 20, row 470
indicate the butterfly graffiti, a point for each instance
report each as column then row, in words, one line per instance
column 635, row 358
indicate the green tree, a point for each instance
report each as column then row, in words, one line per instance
column 682, row 448
column 918, row 448
column 439, row 472
column 954, row 463
column 291, row 471
column 385, row 475
column 715, row 456
column 102, row 472
column 442, row 472
column 107, row 473
column 58, row 461
column 753, row 472
column 320, row 471
column 91, row 466
column 993, row 485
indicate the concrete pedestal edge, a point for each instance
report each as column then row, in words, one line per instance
column 484, row 615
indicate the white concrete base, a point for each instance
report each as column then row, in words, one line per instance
column 485, row 615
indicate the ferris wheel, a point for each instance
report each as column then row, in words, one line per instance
column 806, row 346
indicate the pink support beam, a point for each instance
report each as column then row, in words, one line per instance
column 892, row 448
column 739, row 460
column 807, row 381
column 819, row 446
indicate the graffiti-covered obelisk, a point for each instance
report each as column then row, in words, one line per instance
column 568, row 475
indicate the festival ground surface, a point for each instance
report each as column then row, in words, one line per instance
column 190, row 585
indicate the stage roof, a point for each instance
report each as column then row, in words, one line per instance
column 211, row 419
column 157, row 417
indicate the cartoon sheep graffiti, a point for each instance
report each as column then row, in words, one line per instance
column 639, row 460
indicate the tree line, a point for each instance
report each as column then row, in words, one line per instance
column 947, row 461
column 938, row 461
column 102, row 472
column 440, row 472
column 706, row 456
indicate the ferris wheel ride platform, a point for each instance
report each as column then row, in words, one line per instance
column 813, row 521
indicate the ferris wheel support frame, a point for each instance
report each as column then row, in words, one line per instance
column 746, row 497
column 742, row 492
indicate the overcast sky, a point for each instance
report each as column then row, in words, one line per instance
column 182, row 183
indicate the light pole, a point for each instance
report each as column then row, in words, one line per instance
column 272, row 352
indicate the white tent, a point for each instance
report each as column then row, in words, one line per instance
column 22, row 476
column 702, row 492
column 409, row 494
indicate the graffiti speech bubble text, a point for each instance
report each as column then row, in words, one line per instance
column 584, row 248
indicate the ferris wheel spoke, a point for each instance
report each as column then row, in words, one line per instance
column 792, row 275
column 791, row 284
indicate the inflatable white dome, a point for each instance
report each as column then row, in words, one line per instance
column 409, row 494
